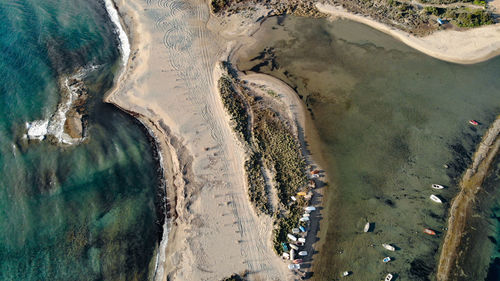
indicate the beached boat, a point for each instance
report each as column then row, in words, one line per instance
column 297, row 261
column 293, row 266
column 294, row 247
column 302, row 240
column 292, row 254
column 429, row 231
column 304, row 219
column 389, row 247
column 473, row 122
column 367, row 227
column 388, row 277
column 303, row 253
column 306, row 215
column 435, row 198
column 285, row 248
column 387, row 259
column 345, row 273
column 302, row 228
column 295, row 230
column 437, row 186
column 286, row 256
column 310, row 209
column 302, row 193
column 291, row 237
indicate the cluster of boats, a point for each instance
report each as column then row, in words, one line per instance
column 291, row 250
column 390, row 247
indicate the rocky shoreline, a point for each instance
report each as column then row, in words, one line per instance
column 460, row 210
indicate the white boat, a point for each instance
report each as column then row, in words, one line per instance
column 345, row 273
column 388, row 277
column 293, row 266
column 302, row 240
column 303, row 253
column 435, row 198
column 389, row 247
column 306, row 215
column 294, row 246
column 386, row 259
column 304, row 219
column 367, row 227
column 291, row 237
column 310, row 209
column 295, row 230
column 292, row 254
column 437, row 186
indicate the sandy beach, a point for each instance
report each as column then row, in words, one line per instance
column 464, row 47
column 169, row 85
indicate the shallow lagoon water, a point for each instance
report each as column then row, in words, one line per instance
column 79, row 212
column 389, row 119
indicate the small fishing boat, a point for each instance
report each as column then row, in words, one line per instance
column 292, row 254
column 310, row 209
column 291, row 237
column 293, row 266
column 294, row 247
column 435, row 198
column 286, row 256
column 367, row 227
column 295, row 230
column 386, row 259
column 285, row 248
column 345, row 273
column 388, row 277
column 473, row 122
column 302, row 240
column 429, row 231
column 389, row 247
column 437, row 186
column 297, row 261
column 303, row 253
column 304, row 219
column 302, row 228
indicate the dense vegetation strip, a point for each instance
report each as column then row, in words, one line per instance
column 273, row 146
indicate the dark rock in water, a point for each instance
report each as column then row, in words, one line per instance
column 420, row 270
column 389, row 202
column 494, row 270
column 492, row 239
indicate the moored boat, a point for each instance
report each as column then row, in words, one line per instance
column 429, row 231
column 291, row 237
column 386, row 259
column 367, row 227
column 297, row 261
column 303, row 253
column 473, row 122
column 388, row 277
column 389, row 247
column 437, row 186
column 294, row 247
column 435, row 198
column 345, row 273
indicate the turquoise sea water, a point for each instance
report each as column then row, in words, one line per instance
column 389, row 119
column 78, row 212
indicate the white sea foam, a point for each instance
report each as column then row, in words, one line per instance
column 122, row 35
column 37, row 129
column 54, row 125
